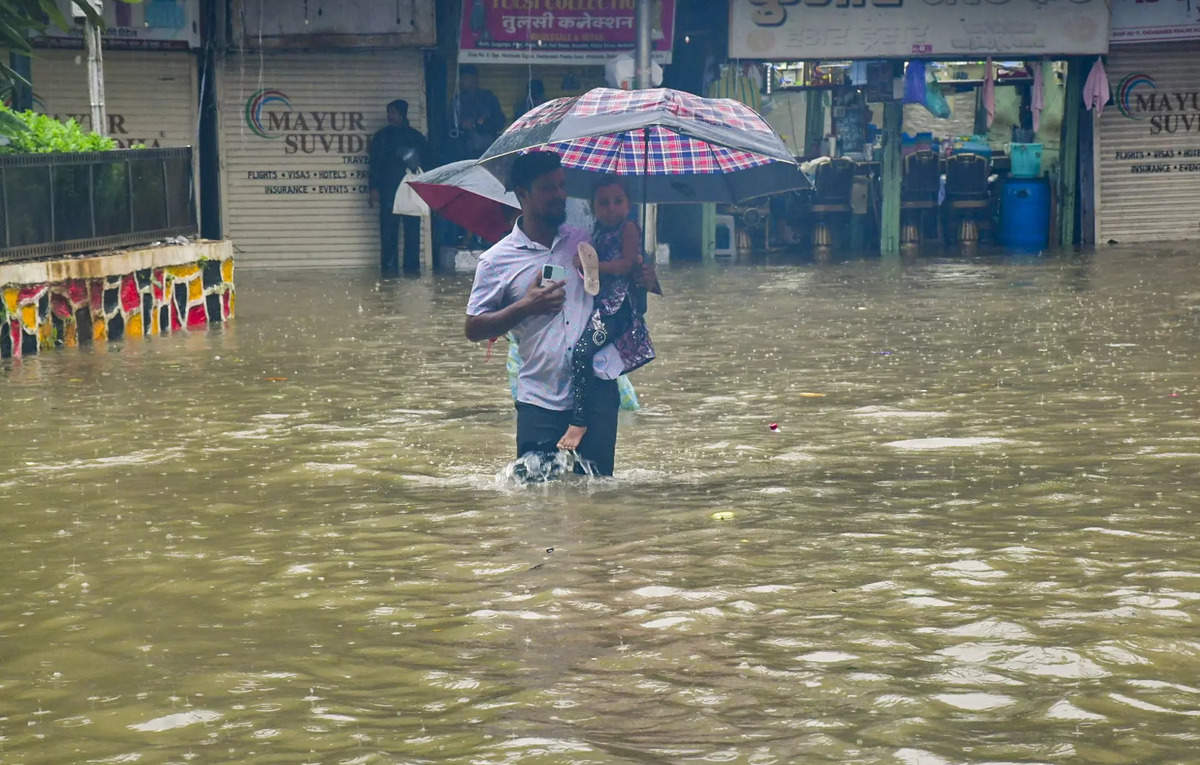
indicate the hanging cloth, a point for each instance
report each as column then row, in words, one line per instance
column 989, row 93
column 914, row 82
column 1037, row 100
column 1095, row 90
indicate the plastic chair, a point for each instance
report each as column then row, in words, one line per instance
column 832, row 188
column 918, row 194
column 967, row 197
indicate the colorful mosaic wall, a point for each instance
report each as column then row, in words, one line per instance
column 152, row 301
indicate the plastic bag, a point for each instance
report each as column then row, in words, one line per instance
column 935, row 102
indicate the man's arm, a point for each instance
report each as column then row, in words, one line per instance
column 541, row 298
column 375, row 161
column 424, row 153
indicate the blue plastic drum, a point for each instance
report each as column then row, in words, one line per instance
column 1025, row 214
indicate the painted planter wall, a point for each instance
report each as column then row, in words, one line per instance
column 140, row 302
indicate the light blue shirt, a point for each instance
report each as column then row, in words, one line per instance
column 545, row 341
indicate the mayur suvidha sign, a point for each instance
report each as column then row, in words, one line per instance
column 781, row 30
column 1169, row 110
column 335, row 134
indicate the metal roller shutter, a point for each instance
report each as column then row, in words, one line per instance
column 150, row 95
column 1149, row 145
column 294, row 135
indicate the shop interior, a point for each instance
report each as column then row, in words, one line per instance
column 979, row 155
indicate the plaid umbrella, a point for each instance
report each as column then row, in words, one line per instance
column 682, row 148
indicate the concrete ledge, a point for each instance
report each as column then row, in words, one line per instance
column 145, row 292
column 114, row 263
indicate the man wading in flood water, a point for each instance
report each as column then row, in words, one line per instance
column 545, row 317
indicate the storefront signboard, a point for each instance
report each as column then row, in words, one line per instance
column 559, row 31
column 792, row 30
column 147, row 25
column 1139, row 21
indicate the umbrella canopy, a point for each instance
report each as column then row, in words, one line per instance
column 466, row 194
column 682, row 147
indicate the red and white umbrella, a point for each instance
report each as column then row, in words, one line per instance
column 469, row 196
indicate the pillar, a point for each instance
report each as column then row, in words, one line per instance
column 22, row 93
column 1069, row 154
column 814, row 122
column 890, row 177
column 708, row 231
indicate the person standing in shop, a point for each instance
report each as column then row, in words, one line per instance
column 396, row 150
column 535, row 95
column 476, row 118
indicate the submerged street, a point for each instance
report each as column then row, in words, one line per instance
column 971, row 538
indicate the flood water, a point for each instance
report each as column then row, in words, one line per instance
column 971, row 539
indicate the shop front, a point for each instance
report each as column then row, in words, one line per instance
column 1148, row 139
column 298, row 107
column 150, row 73
column 907, row 116
column 295, row 135
column 150, row 95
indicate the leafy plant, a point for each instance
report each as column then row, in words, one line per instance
column 42, row 134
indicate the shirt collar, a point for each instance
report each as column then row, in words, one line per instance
column 522, row 242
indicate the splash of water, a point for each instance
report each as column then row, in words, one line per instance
column 540, row 467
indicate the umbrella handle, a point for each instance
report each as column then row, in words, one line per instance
column 645, row 187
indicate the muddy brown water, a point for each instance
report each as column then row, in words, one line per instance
column 971, row 538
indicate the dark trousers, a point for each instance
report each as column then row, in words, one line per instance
column 389, row 243
column 538, row 429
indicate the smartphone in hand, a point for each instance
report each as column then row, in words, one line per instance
column 553, row 273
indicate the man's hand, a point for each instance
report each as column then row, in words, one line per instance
column 374, row 198
column 545, row 297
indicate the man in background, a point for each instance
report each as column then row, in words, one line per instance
column 475, row 116
column 396, row 150
column 535, row 95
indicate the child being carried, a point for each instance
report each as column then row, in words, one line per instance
column 617, row 318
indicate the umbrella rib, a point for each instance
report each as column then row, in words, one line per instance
column 717, row 164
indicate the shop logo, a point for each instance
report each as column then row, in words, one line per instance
column 254, row 110
column 1126, row 102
